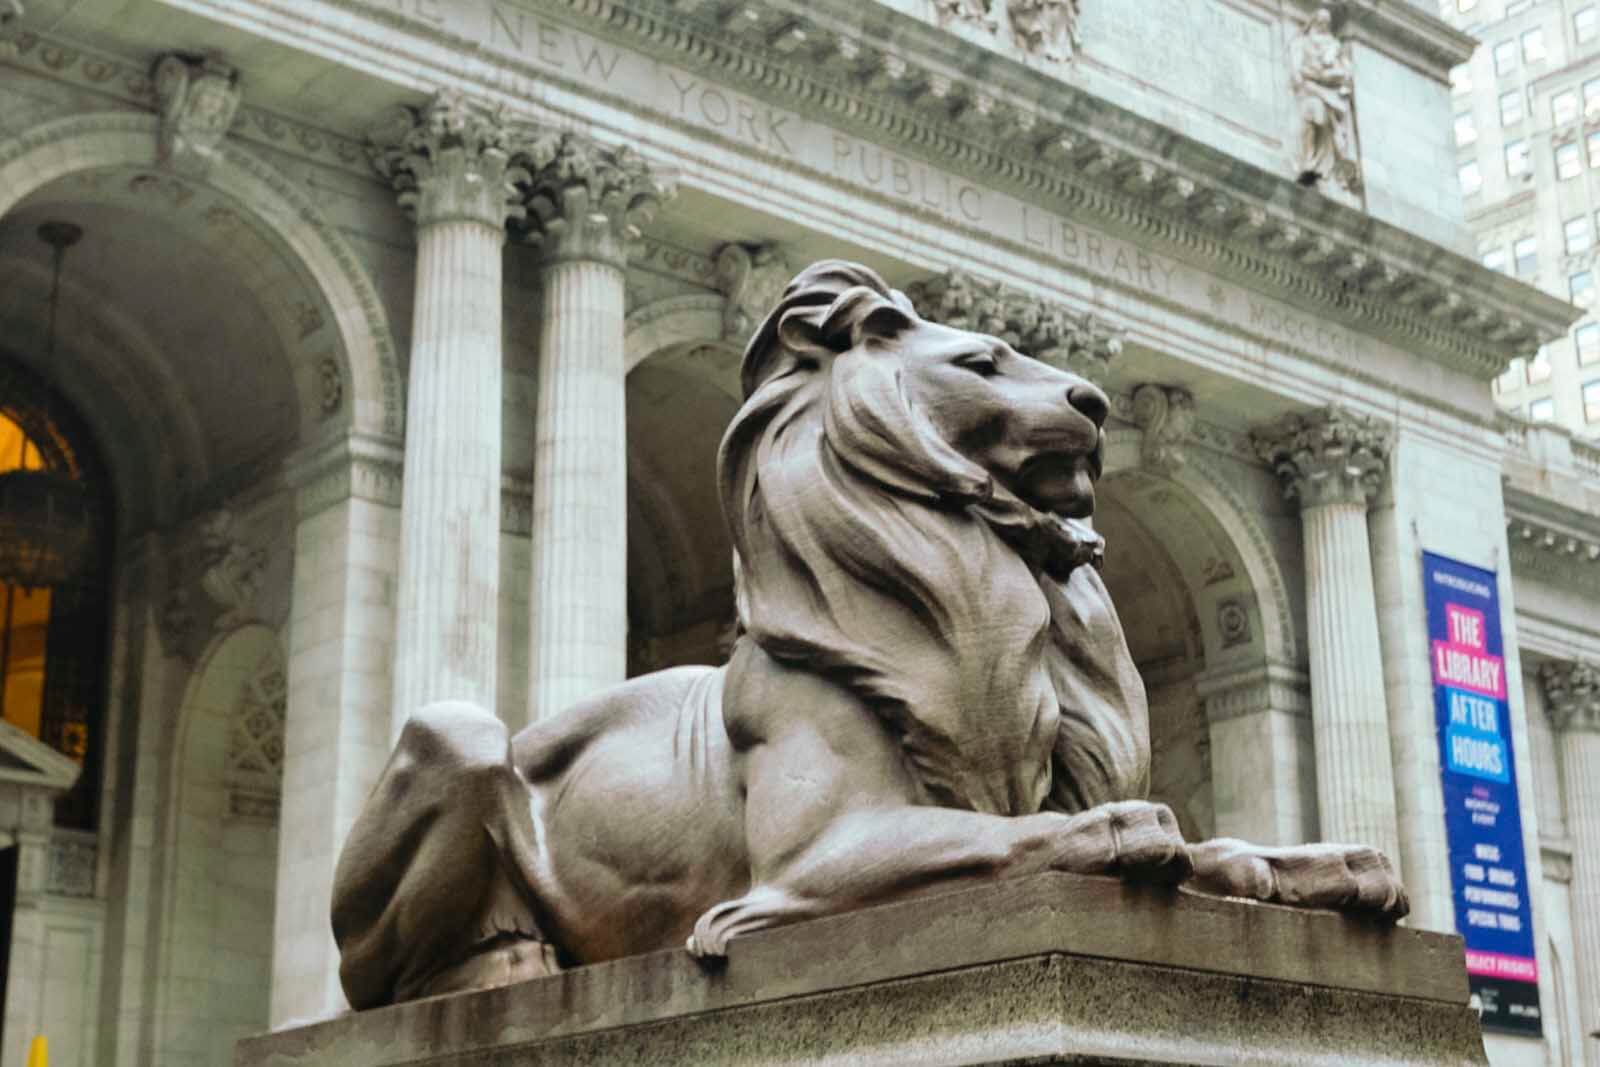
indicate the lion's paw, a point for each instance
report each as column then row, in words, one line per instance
column 1349, row 878
column 1136, row 839
column 759, row 909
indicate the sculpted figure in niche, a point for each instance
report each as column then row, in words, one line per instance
column 1324, row 86
column 929, row 687
column 1046, row 28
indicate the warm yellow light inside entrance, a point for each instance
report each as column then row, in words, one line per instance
column 24, row 613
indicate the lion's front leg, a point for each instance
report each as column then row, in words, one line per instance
column 1347, row 878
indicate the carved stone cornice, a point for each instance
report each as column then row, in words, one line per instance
column 1232, row 694
column 1572, row 694
column 1082, row 341
column 1329, row 456
column 346, row 466
column 197, row 98
column 448, row 160
column 586, row 200
column 1102, row 163
column 1166, row 415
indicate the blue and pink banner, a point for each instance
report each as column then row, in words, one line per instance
column 1483, row 821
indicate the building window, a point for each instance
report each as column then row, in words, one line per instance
column 1585, row 24
column 1569, row 164
column 1539, row 367
column 1593, row 141
column 1525, row 253
column 1591, row 401
column 1461, row 79
column 1505, row 58
column 1516, row 158
column 1511, row 109
column 1466, row 129
column 1511, row 377
column 1542, row 410
column 1495, row 259
column 1564, row 107
column 1591, row 96
column 1587, row 339
column 1471, row 178
column 1580, row 288
column 1533, row 46
column 1575, row 234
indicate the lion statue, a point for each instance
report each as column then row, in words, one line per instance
column 930, row 688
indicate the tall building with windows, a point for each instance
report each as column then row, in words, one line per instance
column 1527, row 133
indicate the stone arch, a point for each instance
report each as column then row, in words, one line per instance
column 265, row 199
column 219, row 832
column 669, row 324
column 1217, row 502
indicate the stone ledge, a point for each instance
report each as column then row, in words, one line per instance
column 1052, row 968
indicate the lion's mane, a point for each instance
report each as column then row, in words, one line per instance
column 871, row 551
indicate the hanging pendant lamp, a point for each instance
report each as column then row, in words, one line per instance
column 46, row 517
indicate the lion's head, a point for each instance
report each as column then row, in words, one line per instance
column 903, row 499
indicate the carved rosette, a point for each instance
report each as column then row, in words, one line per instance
column 1166, row 415
column 197, row 99
column 585, row 200
column 1331, row 456
column 1572, row 695
column 1081, row 341
column 449, row 160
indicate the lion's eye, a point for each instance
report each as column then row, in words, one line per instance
column 979, row 363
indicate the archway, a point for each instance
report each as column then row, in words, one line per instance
column 214, row 962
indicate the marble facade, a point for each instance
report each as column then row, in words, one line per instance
column 443, row 318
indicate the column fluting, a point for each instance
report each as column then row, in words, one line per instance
column 450, row 164
column 1572, row 693
column 1333, row 461
column 586, row 204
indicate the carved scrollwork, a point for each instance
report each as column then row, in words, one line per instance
column 1327, row 456
column 1043, row 329
column 1572, row 694
column 752, row 278
column 586, row 200
column 197, row 98
column 448, row 159
column 1166, row 415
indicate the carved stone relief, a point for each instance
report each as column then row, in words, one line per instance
column 1082, row 341
column 752, row 278
column 1047, row 29
column 197, row 98
column 1327, row 456
column 331, row 383
column 973, row 12
column 253, row 767
column 10, row 26
column 1233, row 622
column 1323, row 76
column 219, row 579
column 1166, row 415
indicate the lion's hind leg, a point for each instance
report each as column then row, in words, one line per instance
column 1348, row 878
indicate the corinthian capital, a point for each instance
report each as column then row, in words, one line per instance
column 1572, row 694
column 448, row 160
column 586, row 200
column 1331, row 456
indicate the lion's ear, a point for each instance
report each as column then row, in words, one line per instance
column 882, row 322
column 873, row 427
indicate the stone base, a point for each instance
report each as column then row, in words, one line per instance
column 1042, row 970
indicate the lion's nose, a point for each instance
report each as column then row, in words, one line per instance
column 1090, row 401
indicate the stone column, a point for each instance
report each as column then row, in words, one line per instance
column 585, row 206
column 1333, row 461
column 450, row 164
column 1263, row 771
column 1572, row 693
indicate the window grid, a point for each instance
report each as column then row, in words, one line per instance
column 1591, row 401
column 1526, row 255
column 1564, row 107
column 1511, row 109
column 1587, row 340
column 1576, row 235
column 1569, row 161
column 1516, row 158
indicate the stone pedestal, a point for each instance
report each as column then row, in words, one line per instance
column 1053, row 968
